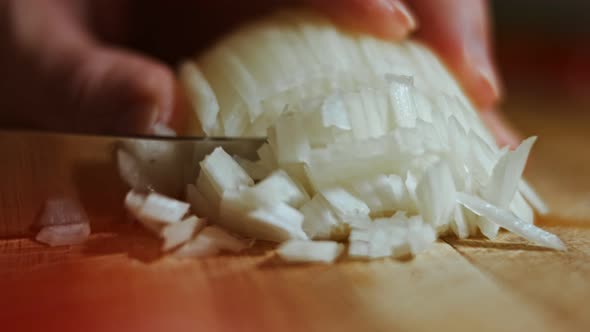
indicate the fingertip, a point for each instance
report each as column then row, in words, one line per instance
column 388, row 19
column 121, row 92
column 479, row 78
column 458, row 31
column 504, row 133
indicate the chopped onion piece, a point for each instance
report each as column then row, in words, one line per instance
column 180, row 232
column 522, row 209
column 201, row 96
column 207, row 192
column 488, row 228
column 224, row 240
column 420, row 235
column 532, row 197
column 334, row 114
column 63, row 235
column 283, row 218
column 199, row 204
column 359, row 249
column 403, row 105
column 62, row 211
column 198, row 247
column 256, row 170
column 134, row 202
column 345, row 205
column 320, row 221
column 210, row 241
column 297, row 251
column 292, row 144
column 435, row 194
column 278, row 187
column 508, row 220
column 506, row 175
column 459, row 223
column 383, row 194
column 277, row 223
column 161, row 209
column 223, row 172
column 267, row 157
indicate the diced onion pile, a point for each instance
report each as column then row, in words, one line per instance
column 368, row 142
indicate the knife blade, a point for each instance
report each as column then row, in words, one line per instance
column 39, row 166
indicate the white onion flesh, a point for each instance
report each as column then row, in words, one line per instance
column 63, row 235
column 278, row 187
column 256, row 170
column 211, row 241
column 62, row 211
column 63, row 222
column 157, row 208
column 297, row 251
column 533, row 198
column 178, row 233
column 276, row 223
column 367, row 141
column 508, row 220
column 224, row 172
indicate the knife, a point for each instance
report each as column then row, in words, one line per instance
column 38, row 166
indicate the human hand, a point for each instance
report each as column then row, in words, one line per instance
column 69, row 66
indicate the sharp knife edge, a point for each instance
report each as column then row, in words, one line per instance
column 37, row 166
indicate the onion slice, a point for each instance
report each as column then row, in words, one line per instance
column 211, row 241
column 62, row 211
column 63, row 235
column 180, row 232
column 297, row 251
column 509, row 221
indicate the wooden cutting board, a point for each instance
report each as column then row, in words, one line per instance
column 116, row 282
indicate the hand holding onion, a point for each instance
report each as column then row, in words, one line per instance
column 86, row 66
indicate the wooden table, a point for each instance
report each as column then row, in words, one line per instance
column 116, row 282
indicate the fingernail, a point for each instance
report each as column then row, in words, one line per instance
column 391, row 18
column 401, row 12
column 503, row 131
column 160, row 129
column 488, row 83
column 484, row 83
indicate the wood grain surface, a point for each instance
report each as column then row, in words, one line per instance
column 117, row 281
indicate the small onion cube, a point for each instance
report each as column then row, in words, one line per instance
column 223, row 172
column 276, row 223
column 180, row 232
column 161, row 209
column 211, row 241
column 61, row 211
column 278, row 187
column 63, row 235
column 297, row 251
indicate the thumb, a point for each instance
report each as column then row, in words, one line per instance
column 116, row 91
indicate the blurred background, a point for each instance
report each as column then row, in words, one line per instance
column 543, row 50
column 543, row 46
